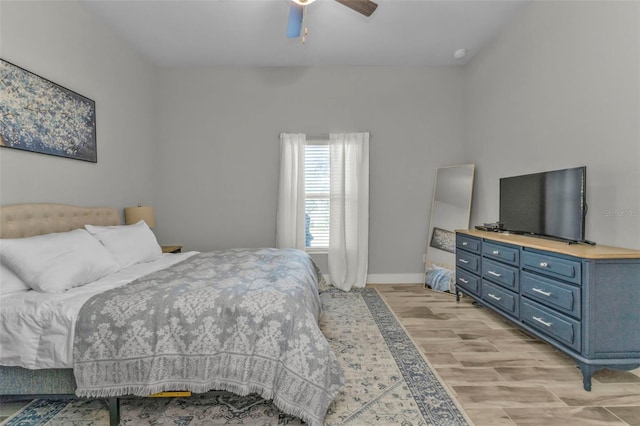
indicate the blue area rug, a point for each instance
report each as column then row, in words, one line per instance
column 388, row 382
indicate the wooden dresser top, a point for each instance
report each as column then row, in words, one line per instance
column 581, row 250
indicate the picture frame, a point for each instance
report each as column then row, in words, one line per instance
column 38, row 115
column 443, row 240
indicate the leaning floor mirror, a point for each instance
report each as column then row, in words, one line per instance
column 450, row 210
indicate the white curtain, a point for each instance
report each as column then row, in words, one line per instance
column 349, row 210
column 290, row 226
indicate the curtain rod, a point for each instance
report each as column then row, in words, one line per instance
column 319, row 136
column 324, row 135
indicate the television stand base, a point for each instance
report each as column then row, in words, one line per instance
column 591, row 243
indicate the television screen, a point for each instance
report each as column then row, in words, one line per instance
column 548, row 204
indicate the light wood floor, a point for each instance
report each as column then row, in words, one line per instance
column 503, row 376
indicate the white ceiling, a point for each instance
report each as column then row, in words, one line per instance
column 253, row 32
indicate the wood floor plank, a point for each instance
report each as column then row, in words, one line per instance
column 521, row 380
column 566, row 416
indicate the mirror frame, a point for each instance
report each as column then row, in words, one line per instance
column 440, row 248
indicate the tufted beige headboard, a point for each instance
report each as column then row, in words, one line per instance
column 27, row 220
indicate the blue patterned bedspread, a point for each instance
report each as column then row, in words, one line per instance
column 243, row 320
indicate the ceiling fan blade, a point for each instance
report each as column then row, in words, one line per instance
column 366, row 7
column 295, row 20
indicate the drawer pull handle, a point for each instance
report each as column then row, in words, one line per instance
column 465, row 243
column 495, row 274
column 496, row 252
column 548, row 324
column 494, row 297
column 463, row 261
column 544, row 265
column 545, row 293
column 463, row 281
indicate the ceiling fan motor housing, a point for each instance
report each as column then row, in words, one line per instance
column 296, row 13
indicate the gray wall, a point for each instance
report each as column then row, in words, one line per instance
column 62, row 42
column 218, row 149
column 560, row 87
column 202, row 145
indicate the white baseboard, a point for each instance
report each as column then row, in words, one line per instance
column 395, row 279
column 389, row 278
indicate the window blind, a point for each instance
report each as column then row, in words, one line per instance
column 316, row 178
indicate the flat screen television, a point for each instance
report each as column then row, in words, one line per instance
column 549, row 204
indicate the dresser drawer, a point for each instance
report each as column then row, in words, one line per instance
column 500, row 298
column 552, row 266
column 559, row 296
column 468, row 243
column 502, row 253
column 500, row 273
column 467, row 281
column 468, row 261
column 559, row 327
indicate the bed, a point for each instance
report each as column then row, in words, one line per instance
column 141, row 322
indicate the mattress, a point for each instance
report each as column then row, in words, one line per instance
column 37, row 329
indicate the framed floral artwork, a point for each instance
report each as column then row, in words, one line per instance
column 38, row 115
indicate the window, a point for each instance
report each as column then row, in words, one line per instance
column 316, row 188
column 325, row 183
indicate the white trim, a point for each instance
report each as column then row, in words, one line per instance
column 395, row 279
column 317, row 250
column 389, row 278
column 318, row 140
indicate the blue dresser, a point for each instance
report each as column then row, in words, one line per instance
column 582, row 299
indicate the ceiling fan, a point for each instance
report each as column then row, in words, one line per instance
column 296, row 13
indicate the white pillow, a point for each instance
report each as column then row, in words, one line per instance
column 53, row 263
column 10, row 282
column 128, row 244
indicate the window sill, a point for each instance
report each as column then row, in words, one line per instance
column 317, row 250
